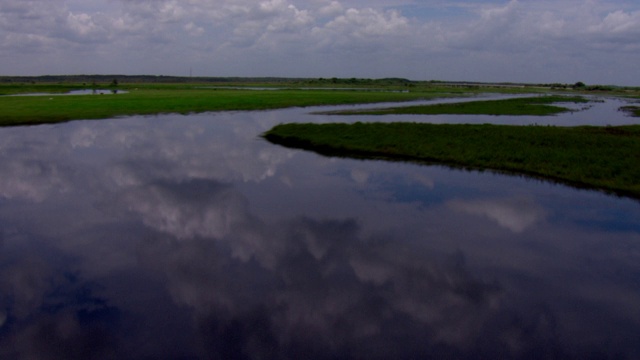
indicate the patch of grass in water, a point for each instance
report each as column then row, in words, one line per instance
column 540, row 106
column 631, row 110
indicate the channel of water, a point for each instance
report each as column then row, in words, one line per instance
column 178, row 236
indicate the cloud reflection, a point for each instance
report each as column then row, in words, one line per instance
column 516, row 214
column 185, row 225
column 46, row 314
column 328, row 290
column 321, row 288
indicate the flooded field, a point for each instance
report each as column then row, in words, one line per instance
column 192, row 237
column 77, row 92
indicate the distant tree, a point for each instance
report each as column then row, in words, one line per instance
column 579, row 85
column 114, row 82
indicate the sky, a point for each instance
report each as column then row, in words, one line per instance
column 531, row 41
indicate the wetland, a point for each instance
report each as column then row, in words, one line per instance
column 188, row 235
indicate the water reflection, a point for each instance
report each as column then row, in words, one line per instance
column 515, row 214
column 190, row 237
column 77, row 92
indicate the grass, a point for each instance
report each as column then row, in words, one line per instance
column 597, row 157
column 148, row 99
column 631, row 110
column 540, row 105
column 605, row 158
column 155, row 97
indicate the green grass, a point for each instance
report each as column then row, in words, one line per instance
column 605, row 158
column 541, row 106
column 144, row 99
column 631, row 110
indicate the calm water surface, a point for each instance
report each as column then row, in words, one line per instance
column 191, row 237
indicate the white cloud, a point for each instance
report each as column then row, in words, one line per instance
column 620, row 22
column 193, row 29
column 368, row 22
column 491, row 41
column 618, row 31
column 332, row 9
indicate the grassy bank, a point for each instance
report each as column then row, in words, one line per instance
column 144, row 99
column 604, row 158
column 540, row 105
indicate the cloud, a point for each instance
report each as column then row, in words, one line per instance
column 331, row 9
column 490, row 41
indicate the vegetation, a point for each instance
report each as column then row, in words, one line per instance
column 631, row 110
column 174, row 98
column 143, row 95
column 605, row 158
column 540, row 105
column 599, row 157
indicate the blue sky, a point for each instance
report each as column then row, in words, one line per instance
column 594, row 41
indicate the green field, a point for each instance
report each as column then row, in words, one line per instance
column 147, row 95
column 157, row 95
column 597, row 157
column 539, row 106
column 145, row 98
column 20, row 110
column 605, row 158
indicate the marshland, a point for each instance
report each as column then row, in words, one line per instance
column 402, row 220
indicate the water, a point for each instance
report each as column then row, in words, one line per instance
column 191, row 237
column 601, row 111
column 77, row 92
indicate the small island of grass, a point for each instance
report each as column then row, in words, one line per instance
column 631, row 110
column 538, row 106
column 604, row 158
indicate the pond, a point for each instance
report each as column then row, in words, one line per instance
column 192, row 237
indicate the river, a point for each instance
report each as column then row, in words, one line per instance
column 178, row 236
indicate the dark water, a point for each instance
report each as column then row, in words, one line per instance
column 191, row 237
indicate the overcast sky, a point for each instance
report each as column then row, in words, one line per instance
column 539, row 41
